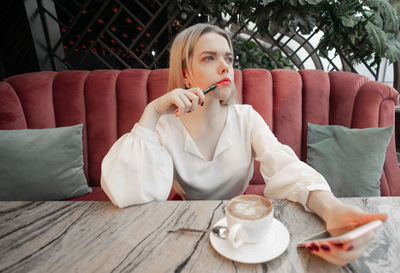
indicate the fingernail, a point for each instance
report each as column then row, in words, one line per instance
column 339, row 245
column 315, row 246
column 350, row 248
column 189, row 111
column 310, row 248
column 202, row 103
column 325, row 247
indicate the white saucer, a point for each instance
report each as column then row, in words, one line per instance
column 271, row 246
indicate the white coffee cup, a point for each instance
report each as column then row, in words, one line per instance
column 249, row 219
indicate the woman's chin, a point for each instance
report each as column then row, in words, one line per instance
column 224, row 93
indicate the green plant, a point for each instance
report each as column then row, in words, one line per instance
column 250, row 55
column 396, row 5
column 358, row 30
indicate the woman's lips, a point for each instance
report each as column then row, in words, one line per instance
column 224, row 81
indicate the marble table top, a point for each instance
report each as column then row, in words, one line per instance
column 85, row 236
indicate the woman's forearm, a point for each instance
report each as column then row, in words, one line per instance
column 322, row 203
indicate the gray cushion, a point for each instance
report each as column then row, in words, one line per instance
column 351, row 160
column 42, row 164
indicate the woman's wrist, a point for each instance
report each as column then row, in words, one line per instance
column 322, row 203
column 149, row 117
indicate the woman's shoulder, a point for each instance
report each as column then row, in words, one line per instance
column 245, row 113
column 242, row 109
column 242, row 113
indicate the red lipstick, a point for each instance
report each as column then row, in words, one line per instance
column 224, row 81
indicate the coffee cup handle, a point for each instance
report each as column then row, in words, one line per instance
column 233, row 236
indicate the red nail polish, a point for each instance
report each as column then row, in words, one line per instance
column 325, row 247
column 315, row 246
column 310, row 248
column 339, row 245
column 202, row 103
column 350, row 248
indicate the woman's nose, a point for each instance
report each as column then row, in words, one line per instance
column 223, row 67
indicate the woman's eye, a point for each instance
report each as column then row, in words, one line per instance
column 209, row 58
column 229, row 59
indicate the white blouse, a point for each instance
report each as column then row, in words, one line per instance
column 143, row 165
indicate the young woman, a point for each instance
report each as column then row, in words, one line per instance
column 204, row 145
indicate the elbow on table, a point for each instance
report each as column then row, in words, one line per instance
column 138, row 194
column 116, row 201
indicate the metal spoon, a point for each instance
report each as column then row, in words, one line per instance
column 220, row 231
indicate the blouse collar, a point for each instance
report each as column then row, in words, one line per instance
column 224, row 141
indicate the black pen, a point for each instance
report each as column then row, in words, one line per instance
column 212, row 87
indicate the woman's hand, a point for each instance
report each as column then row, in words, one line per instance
column 345, row 218
column 178, row 101
column 340, row 218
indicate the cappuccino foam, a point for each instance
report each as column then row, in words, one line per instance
column 249, row 207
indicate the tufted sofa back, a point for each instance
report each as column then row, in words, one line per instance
column 109, row 102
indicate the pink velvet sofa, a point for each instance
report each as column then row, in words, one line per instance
column 109, row 102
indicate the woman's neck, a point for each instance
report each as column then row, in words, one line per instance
column 205, row 126
column 212, row 111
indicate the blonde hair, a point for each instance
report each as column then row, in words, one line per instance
column 182, row 50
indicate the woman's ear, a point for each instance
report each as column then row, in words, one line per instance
column 185, row 74
column 186, row 79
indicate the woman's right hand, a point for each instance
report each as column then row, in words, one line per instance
column 179, row 100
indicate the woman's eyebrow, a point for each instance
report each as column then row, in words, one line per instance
column 228, row 53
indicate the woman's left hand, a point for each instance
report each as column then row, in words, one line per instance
column 344, row 218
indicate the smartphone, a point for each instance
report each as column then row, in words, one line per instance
column 348, row 236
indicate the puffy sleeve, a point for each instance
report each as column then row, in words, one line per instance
column 137, row 169
column 285, row 175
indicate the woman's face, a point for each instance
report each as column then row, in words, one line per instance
column 211, row 63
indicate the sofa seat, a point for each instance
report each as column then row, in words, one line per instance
column 97, row 194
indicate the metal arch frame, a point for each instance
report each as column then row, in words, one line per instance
column 396, row 72
column 288, row 51
column 306, row 45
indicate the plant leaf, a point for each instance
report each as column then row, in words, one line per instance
column 266, row 2
column 314, row 2
column 377, row 38
column 377, row 19
column 393, row 52
column 347, row 21
column 352, row 38
column 391, row 18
